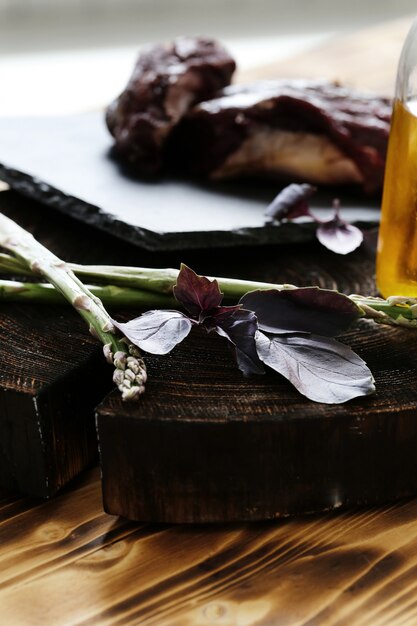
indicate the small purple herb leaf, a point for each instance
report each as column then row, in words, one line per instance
column 196, row 293
column 239, row 327
column 290, row 203
column 220, row 312
column 307, row 309
column 157, row 332
column 322, row 369
column 338, row 235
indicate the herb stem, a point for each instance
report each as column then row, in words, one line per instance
column 110, row 295
column 152, row 287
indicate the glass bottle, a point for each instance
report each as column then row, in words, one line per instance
column 397, row 242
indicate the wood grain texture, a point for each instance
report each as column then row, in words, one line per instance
column 366, row 59
column 52, row 374
column 64, row 562
column 207, row 445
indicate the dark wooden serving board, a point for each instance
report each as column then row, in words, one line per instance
column 206, row 444
column 52, row 375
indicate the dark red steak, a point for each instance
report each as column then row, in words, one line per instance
column 166, row 82
column 312, row 131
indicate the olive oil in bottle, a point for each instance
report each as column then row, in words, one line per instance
column 397, row 243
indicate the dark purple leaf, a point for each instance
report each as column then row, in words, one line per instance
column 239, row 327
column 322, row 369
column 221, row 312
column 157, row 332
column 338, row 235
column 196, row 293
column 308, row 309
column 290, row 203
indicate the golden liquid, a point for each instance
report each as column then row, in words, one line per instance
column 397, row 243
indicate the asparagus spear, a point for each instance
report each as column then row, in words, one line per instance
column 110, row 295
column 130, row 370
column 153, row 287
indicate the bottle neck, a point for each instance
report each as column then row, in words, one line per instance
column 406, row 85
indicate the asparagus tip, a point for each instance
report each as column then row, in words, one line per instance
column 130, row 376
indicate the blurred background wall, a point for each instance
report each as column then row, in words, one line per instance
column 59, row 24
column 61, row 56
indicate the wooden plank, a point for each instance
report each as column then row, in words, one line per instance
column 52, row 374
column 65, row 562
column 207, row 445
column 366, row 59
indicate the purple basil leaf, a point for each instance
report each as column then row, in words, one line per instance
column 308, row 309
column 221, row 312
column 157, row 332
column 290, row 203
column 338, row 235
column 322, row 369
column 239, row 327
column 196, row 293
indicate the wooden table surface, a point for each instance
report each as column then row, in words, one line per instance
column 65, row 562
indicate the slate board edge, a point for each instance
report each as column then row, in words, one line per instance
column 41, row 191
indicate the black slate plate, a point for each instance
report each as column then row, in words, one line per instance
column 65, row 163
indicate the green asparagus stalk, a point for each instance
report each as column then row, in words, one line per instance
column 150, row 279
column 152, row 287
column 11, row 265
column 110, row 295
column 130, row 371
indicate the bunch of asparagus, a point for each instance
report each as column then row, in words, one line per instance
column 145, row 288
